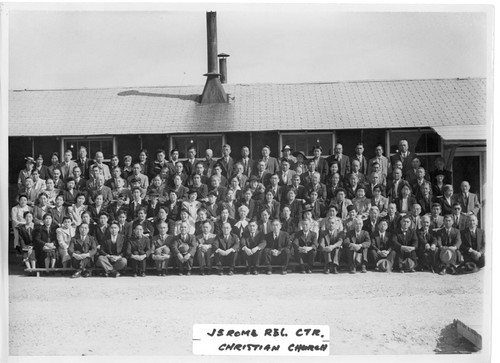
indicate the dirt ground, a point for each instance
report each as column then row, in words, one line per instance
column 373, row 313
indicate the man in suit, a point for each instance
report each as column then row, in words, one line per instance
column 404, row 155
column 380, row 247
column 468, row 201
column 82, row 250
column 136, row 174
column 392, row 217
column 99, row 162
column 184, row 249
column 436, row 219
column 189, row 164
column 208, row 162
column 285, row 175
column 355, row 246
column 205, row 253
column 286, row 152
column 396, row 184
column 225, row 248
column 448, row 238
column 246, row 161
column 459, row 219
column 381, row 160
column 124, row 227
column 67, row 165
column 305, row 245
column 261, row 173
column 371, row 223
column 277, row 248
column 84, row 163
column 330, row 242
column 428, row 252
column 252, row 245
column 405, row 243
column 473, row 243
column 112, row 252
column 101, row 189
column 343, row 160
column 270, row 162
column 226, row 162
column 358, row 155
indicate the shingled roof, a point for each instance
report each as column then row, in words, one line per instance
column 263, row 107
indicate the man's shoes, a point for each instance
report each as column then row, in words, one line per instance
column 134, row 275
column 432, row 270
column 188, row 273
column 143, row 274
column 255, row 272
column 86, row 273
column 269, row 272
column 326, row 271
column 247, row 272
column 105, row 274
column 443, row 271
column 231, row 273
column 202, row 272
column 309, row 271
column 363, row 269
column 180, row 273
column 283, row 272
column 453, row 270
column 411, row 270
column 302, row 271
column 76, row 275
column 335, row 270
column 117, row 274
column 352, row 270
column 220, row 273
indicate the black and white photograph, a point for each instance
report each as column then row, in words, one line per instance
column 224, row 182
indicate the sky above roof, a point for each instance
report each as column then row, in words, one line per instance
column 285, row 44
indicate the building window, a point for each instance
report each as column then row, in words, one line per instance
column 200, row 142
column 306, row 141
column 425, row 143
column 93, row 145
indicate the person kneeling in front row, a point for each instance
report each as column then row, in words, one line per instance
column 82, row 251
column 112, row 252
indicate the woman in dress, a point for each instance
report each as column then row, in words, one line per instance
column 27, row 240
column 17, row 217
column 46, row 241
column 41, row 208
column 76, row 210
column 64, row 234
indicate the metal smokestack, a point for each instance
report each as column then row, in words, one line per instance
column 223, row 67
column 213, row 91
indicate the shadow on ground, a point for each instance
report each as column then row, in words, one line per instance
column 450, row 342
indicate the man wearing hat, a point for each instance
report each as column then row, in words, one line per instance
column 286, row 152
column 270, row 163
column 449, row 242
column 301, row 159
column 343, row 161
column 43, row 170
column 405, row 243
column 381, row 254
column 473, row 243
column 25, row 173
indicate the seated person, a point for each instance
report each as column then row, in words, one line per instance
column 204, row 253
column 428, row 253
column 305, row 245
column 355, row 246
column 64, row 235
column 252, row 245
column 473, row 243
column 277, row 250
column 46, row 240
column 449, row 242
column 183, row 248
column 113, row 251
column 405, row 243
column 160, row 245
column 138, row 250
column 330, row 242
column 82, row 249
column 225, row 248
column 381, row 248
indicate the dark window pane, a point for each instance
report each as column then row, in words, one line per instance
column 305, row 142
column 182, row 143
column 419, row 142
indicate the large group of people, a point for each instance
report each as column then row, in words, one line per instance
column 385, row 214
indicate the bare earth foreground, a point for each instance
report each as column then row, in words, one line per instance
column 371, row 313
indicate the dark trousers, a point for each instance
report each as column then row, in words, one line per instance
column 306, row 259
column 428, row 259
column 81, row 264
column 138, row 267
column 401, row 256
column 108, row 266
column 331, row 257
column 251, row 261
column 204, row 258
column 469, row 258
column 229, row 260
column 282, row 259
column 355, row 258
column 186, row 265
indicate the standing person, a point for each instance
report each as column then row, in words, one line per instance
column 99, row 162
column 160, row 245
column 342, row 160
column 356, row 244
column 226, row 162
column 358, row 155
column 138, row 249
column 84, row 163
column 43, row 171
column 82, row 249
column 305, row 245
column 473, row 244
column 204, row 253
column 277, row 248
column 285, row 175
column 208, row 162
column 439, row 168
column 184, row 249
column 286, row 152
column 67, row 165
column 25, row 173
column 404, row 155
column 252, row 245
column 27, row 240
column 270, row 162
column 17, row 217
column 468, row 201
column 381, row 160
column 159, row 163
column 64, row 235
column 320, row 164
column 54, row 159
column 190, row 162
column 405, row 243
column 225, row 248
column 246, row 161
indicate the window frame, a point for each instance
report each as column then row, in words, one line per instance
column 295, row 133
